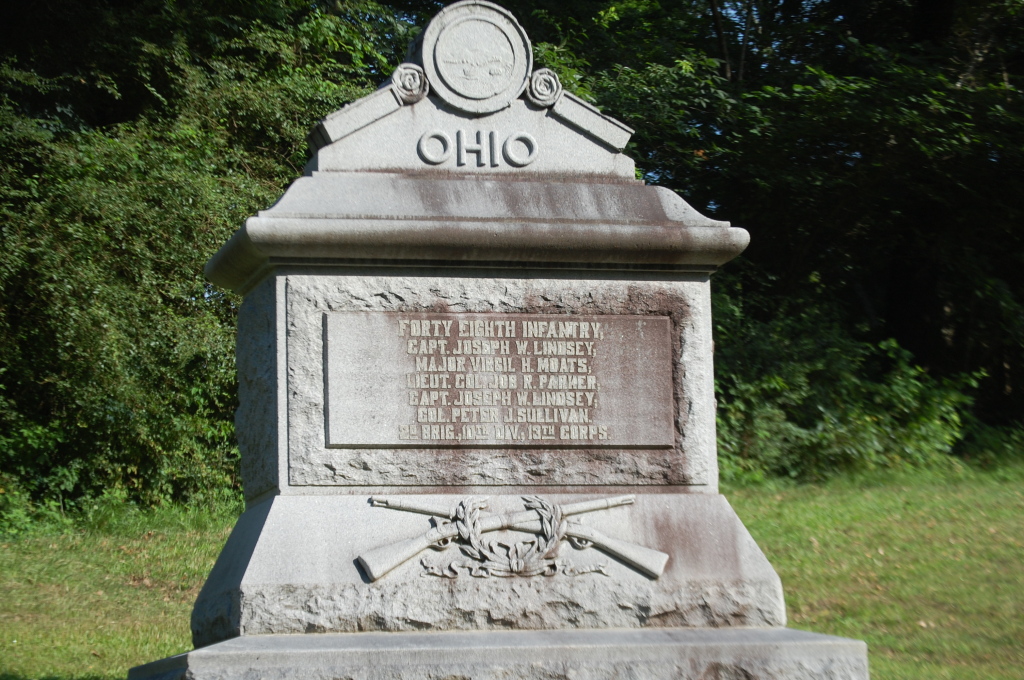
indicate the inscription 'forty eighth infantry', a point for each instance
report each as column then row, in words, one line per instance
column 503, row 380
column 428, row 328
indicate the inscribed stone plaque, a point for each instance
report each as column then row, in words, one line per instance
column 498, row 380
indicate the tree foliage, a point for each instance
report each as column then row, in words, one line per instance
column 136, row 137
column 871, row 148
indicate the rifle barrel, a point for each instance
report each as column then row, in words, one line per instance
column 437, row 510
column 597, row 504
column 411, row 505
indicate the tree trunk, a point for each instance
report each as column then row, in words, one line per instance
column 723, row 44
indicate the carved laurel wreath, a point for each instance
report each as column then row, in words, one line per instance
column 535, row 557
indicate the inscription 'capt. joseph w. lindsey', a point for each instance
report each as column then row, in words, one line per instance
column 503, row 380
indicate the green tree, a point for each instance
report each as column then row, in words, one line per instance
column 135, row 138
column 871, row 149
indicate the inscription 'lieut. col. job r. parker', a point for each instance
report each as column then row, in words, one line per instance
column 474, row 380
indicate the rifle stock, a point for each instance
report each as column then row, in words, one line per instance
column 645, row 560
column 381, row 560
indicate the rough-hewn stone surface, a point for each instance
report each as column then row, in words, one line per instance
column 584, row 601
column 290, row 567
column 259, row 398
column 691, row 461
column 779, row 654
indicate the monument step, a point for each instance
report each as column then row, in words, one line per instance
column 718, row 654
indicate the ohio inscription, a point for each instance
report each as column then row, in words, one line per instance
column 497, row 380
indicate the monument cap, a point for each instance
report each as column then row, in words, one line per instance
column 476, row 56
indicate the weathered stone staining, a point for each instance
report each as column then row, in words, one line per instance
column 476, row 395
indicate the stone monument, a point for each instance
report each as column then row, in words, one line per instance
column 477, row 414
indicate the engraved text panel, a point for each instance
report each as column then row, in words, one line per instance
column 498, row 380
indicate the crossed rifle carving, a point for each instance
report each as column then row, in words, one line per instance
column 378, row 562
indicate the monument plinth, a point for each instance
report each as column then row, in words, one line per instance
column 477, row 415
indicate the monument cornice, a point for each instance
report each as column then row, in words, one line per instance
column 469, row 221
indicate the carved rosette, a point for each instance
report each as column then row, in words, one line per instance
column 545, row 87
column 410, row 82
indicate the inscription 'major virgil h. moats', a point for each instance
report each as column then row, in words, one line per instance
column 399, row 380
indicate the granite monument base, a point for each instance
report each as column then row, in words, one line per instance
column 299, row 564
column 722, row 654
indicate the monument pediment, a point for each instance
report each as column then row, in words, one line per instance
column 468, row 155
column 468, row 101
column 381, row 133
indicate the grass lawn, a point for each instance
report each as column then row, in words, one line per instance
column 117, row 593
column 928, row 568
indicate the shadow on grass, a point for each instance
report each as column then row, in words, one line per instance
column 16, row 676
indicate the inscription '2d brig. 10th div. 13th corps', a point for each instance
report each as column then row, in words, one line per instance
column 470, row 380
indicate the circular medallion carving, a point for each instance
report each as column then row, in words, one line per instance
column 476, row 56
